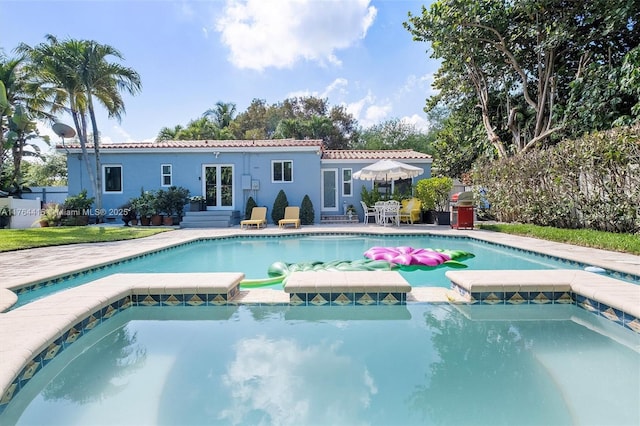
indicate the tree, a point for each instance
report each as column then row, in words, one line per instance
column 20, row 105
column 395, row 134
column 199, row 129
column 518, row 59
column 22, row 129
column 51, row 170
column 223, row 114
column 302, row 118
column 254, row 122
column 458, row 142
column 169, row 134
column 81, row 72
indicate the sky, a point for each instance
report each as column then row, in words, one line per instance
column 192, row 54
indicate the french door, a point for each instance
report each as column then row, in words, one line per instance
column 217, row 185
column 329, row 189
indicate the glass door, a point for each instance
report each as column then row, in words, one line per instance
column 330, row 189
column 218, row 186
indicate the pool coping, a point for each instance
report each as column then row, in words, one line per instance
column 48, row 263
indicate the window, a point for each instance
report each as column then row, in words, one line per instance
column 347, row 183
column 112, row 178
column 166, row 175
column 282, row 171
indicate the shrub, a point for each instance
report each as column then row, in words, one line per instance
column 278, row 206
column 307, row 216
column 172, row 201
column 370, row 197
column 251, row 203
column 145, row 204
column 79, row 203
column 591, row 182
column 433, row 193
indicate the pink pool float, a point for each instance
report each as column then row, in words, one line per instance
column 409, row 256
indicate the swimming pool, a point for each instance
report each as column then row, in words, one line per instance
column 254, row 255
column 413, row 364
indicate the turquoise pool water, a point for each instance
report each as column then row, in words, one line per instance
column 381, row 365
column 254, row 255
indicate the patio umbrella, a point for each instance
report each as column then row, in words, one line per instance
column 388, row 170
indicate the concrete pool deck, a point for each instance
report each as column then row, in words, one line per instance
column 34, row 333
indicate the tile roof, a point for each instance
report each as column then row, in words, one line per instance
column 365, row 154
column 270, row 143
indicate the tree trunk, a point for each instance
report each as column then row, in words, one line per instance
column 96, row 147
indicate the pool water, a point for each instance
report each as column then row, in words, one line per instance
column 253, row 256
column 382, row 365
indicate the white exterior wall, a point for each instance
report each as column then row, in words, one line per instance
column 26, row 213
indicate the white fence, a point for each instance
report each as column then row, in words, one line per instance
column 26, row 213
column 47, row 194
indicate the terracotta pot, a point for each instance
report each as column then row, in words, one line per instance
column 44, row 223
column 145, row 221
column 133, row 222
column 167, row 220
column 156, row 220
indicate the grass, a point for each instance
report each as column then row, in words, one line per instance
column 17, row 239
column 624, row 243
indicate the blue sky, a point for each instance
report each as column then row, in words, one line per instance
column 192, row 54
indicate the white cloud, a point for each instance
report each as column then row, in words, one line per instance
column 368, row 111
column 278, row 33
column 377, row 113
column 422, row 83
column 420, row 122
column 277, row 379
column 337, row 86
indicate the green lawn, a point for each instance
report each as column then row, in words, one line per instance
column 17, row 239
column 624, row 243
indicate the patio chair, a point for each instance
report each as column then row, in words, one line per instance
column 368, row 212
column 391, row 213
column 258, row 218
column 291, row 217
column 410, row 210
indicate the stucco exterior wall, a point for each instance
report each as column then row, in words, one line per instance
column 143, row 171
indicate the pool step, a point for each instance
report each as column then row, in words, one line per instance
column 210, row 219
column 327, row 219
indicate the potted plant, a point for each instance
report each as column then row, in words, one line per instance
column 351, row 211
column 170, row 203
column 5, row 217
column 77, row 209
column 129, row 214
column 51, row 215
column 145, row 206
column 164, row 208
column 433, row 194
column 178, row 198
column 196, row 203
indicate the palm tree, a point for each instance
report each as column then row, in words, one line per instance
column 20, row 106
column 223, row 114
column 169, row 134
column 79, row 71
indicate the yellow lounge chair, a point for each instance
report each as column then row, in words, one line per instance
column 410, row 210
column 258, row 218
column 291, row 217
